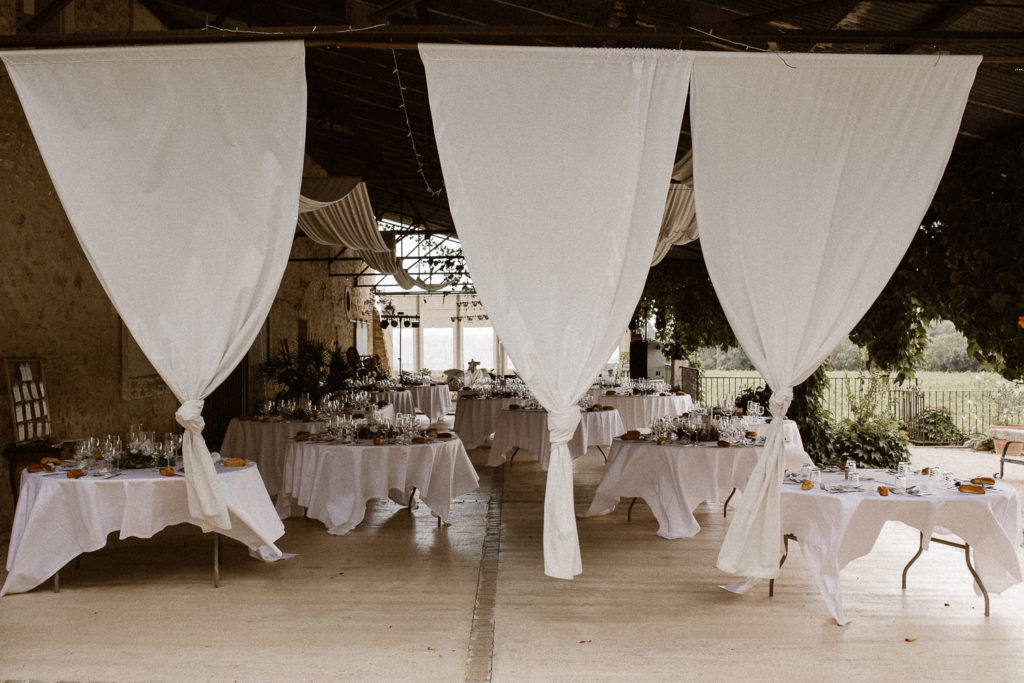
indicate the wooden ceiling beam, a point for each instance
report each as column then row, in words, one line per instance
column 406, row 37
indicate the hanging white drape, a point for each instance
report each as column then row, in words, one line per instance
column 557, row 164
column 179, row 169
column 812, row 174
column 346, row 220
column 340, row 215
column 679, row 224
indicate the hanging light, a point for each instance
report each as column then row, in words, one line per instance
column 406, row 323
column 415, row 323
column 383, row 324
column 394, row 323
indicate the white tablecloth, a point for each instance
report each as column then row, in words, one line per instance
column 333, row 482
column 266, row 444
column 475, row 418
column 794, row 444
column 400, row 400
column 835, row 529
column 637, row 411
column 433, row 400
column 674, row 480
column 59, row 518
column 528, row 430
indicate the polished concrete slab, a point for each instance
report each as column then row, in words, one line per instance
column 400, row 599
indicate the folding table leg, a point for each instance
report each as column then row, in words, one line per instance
column 56, row 582
column 514, row 451
column 725, row 505
column 785, row 553
column 216, row 560
column 411, row 496
column 920, row 549
column 629, row 512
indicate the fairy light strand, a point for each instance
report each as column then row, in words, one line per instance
column 408, row 127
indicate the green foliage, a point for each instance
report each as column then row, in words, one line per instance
column 964, row 265
column 847, row 356
column 948, row 353
column 812, row 416
column 875, row 443
column 760, row 394
column 733, row 358
column 311, row 369
column 681, row 292
column 871, row 436
column 934, row 426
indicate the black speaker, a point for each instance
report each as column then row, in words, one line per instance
column 637, row 359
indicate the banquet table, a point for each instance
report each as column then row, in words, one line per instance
column 475, row 418
column 401, row 400
column 674, row 479
column 58, row 518
column 834, row 529
column 528, row 430
column 433, row 400
column 637, row 411
column 265, row 443
column 332, row 482
column 795, row 452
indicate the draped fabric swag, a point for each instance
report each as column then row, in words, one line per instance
column 812, row 175
column 679, row 224
column 558, row 236
column 341, row 216
column 179, row 169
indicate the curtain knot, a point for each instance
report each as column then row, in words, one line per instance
column 779, row 402
column 190, row 415
column 562, row 424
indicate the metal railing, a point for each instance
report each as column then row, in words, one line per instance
column 972, row 411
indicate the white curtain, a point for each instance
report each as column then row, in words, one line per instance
column 812, row 174
column 179, row 168
column 557, row 163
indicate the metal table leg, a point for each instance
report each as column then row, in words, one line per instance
column 514, row 451
column 629, row 512
column 785, row 553
column 725, row 505
column 56, row 582
column 966, row 547
column 216, row 560
column 603, row 454
column 411, row 496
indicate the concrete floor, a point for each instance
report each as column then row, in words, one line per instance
column 396, row 600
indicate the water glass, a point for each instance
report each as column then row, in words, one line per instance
column 805, row 472
column 947, row 479
column 903, row 468
column 855, row 479
column 901, row 483
column 815, row 476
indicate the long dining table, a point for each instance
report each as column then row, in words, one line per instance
column 58, row 518
column 332, row 482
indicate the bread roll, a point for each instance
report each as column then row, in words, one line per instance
column 971, row 488
column 302, row 436
column 75, row 474
column 983, row 480
column 234, row 462
column 883, row 490
column 608, row 408
column 378, row 442
column 444, row 435
column 56, row 461
column 807, row 484
column 723, row 444
column 167, row 471
column 38, row 467
column 418, row 439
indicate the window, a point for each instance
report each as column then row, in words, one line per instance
column 438, row 348
column 403, row 349
column 478, row 344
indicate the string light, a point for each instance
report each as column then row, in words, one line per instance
column 408, row 127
